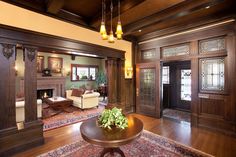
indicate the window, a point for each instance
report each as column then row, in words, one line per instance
column 212, row 45
column 186, row 84
column 165, row 74
column 212, row 74
column 83, row 72
column 178, row 50
column 148, row 54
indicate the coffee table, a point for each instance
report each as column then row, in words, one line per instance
column 112, row 139
column 59, row 103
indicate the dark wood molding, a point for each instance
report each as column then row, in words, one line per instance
column 177, row 11
column 50, row 42
column 54, row 6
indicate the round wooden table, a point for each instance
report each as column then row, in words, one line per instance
column 112, row 139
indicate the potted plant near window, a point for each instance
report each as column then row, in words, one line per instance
column 101, row 78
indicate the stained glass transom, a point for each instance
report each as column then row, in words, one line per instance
column 186, row 85
column 212, row 45
column 149, row 54
column 175, row 50
column 147, row 87
column 213, row 76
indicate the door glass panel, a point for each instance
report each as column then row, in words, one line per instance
column 212, row 74
column 147, row 87
column 165, row 74
column 186, row 84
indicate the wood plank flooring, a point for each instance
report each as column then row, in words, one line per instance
column 207, row 141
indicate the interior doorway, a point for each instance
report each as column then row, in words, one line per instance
column 176, row 90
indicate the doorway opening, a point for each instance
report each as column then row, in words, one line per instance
column 176, row 91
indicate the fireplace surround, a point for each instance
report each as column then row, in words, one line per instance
column 55, row 83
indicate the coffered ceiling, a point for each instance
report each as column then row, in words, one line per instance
column 139, row 17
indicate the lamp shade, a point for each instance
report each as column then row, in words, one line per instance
column 102, row 28
column 111, row 37
column 104, row 36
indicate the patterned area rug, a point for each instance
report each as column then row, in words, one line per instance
column 177, row 115
column 148, row 145
column 65, row 118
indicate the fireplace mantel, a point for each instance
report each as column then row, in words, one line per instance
column 57, row 83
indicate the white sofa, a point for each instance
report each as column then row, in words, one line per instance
column 20, row 110
column 88, row 100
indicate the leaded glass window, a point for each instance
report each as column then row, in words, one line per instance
column 147, row 86
column 212, row 74
column 211, row 45
column 149, row 54
column 165, row 74
column 186, row 84
column 175, row 50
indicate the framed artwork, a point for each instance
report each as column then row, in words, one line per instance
column 55, row 64
column 40, row 63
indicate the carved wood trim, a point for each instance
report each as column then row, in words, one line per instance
column 8, row 50
column 31, row 53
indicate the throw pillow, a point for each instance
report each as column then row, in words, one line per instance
column 77, row 92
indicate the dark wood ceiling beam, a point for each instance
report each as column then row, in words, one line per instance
column 124, row 6
column 177, row 11
column 54, row 6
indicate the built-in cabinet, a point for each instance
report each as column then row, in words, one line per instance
column 211, row 53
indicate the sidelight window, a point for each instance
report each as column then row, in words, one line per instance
column 186, row 84
column 165, row 75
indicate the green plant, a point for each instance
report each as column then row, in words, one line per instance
column 100, row 78
column 113, row 118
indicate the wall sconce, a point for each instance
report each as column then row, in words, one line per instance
column 129, row 72
column 16, row 70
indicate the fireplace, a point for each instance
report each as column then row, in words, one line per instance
column 43, row 93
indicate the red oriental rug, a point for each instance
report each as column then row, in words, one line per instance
column 148, row 145
column 65, row 118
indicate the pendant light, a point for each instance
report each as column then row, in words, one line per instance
column 119, row 31
column 111, row 36
column 103, row 31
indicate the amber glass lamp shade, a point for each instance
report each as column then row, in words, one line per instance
column 111, row 37
column 102, row 28
column 104, row 36
column 119, row 31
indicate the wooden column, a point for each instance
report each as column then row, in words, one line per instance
column 194, row 85
column 121, row 82
column 7, row 87
column 30, row 85
column 111, row 65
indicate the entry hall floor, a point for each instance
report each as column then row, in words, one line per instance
column 214, row 143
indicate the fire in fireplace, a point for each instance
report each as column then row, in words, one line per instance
column 44, row 93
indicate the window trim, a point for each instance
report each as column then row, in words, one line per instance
column 85, row 66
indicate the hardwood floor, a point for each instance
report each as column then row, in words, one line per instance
column 207, row 141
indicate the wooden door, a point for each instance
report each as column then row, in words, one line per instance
column 147, row 89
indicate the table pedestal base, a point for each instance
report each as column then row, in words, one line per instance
column 112, row 151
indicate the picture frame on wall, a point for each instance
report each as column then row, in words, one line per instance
column 55, row 64
column 40, row 64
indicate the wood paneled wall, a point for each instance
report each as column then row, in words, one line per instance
column 214, row 110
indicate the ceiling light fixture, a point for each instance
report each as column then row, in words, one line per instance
column 111, row 36
column 119, row 31
column 103, row 31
